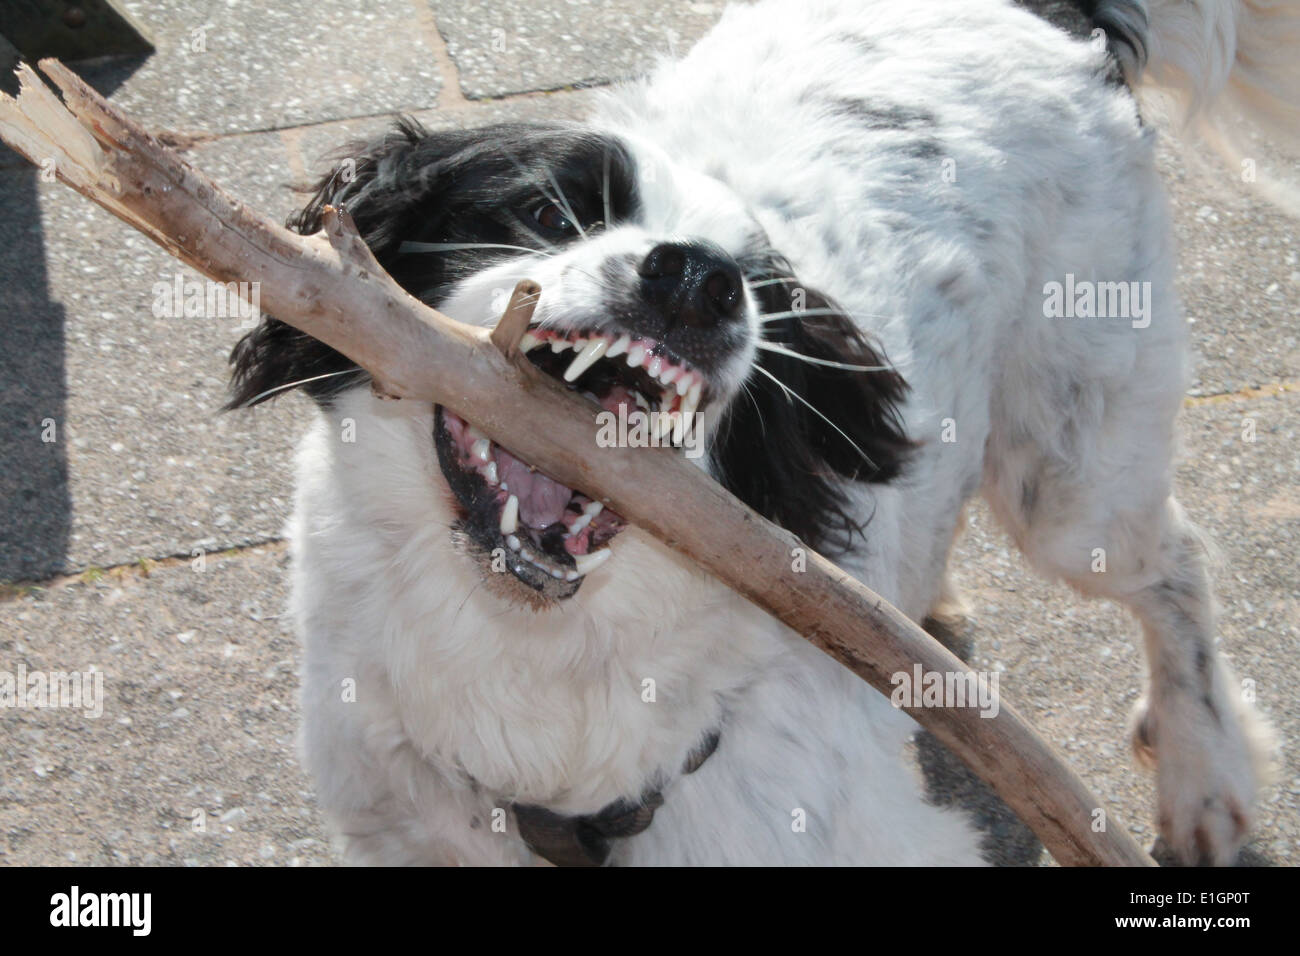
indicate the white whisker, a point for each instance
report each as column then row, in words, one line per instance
column 604, row 192
column 773, row 347
column 303, row 381
column 791, row 394
column 759, row 285
column 410, row 246
column 795, row 313
column 564, row 204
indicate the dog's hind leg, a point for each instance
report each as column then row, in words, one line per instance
column 1090, row 500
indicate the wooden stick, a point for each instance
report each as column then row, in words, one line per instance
column 330, row 286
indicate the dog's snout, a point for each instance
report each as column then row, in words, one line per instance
column 695, row 284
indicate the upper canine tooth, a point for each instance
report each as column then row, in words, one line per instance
column 619, row 347
column 585, row 359
column 529, row 342
column 482, row 450
column 510, row 515
column 636, row 355
column 586, row 563
column 691, row 401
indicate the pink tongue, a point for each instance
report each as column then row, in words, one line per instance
column 541, row 500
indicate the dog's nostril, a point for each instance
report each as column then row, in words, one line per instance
column 694, row 284
column 665, row 260
column 722, row 291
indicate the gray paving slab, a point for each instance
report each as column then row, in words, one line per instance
column 520, row 45
column 139, row 462
column 226, row 66
column 1074, row 667
column 1239, row 269
column 311, row 145
column 192, row 760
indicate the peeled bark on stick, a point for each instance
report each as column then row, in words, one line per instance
column 330, row 286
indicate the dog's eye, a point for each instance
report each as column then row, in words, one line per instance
column 551, row 216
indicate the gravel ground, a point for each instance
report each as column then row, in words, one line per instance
column 145, row 539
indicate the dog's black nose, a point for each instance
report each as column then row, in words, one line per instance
column 695, row 284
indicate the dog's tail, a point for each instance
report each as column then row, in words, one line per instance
column 1227, row 68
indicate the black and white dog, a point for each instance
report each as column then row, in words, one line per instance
column 829, row 231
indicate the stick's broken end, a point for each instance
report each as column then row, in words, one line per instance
column 515, row 319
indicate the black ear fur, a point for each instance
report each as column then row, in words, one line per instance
column 784, row 460
column 366, row 180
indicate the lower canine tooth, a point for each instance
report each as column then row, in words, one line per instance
column 510, row 515
column 513, row 542
column 586, row 563
column 665, row 425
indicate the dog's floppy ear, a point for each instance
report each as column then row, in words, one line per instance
column 370, row 181
column 787, row 461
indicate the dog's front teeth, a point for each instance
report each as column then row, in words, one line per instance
column 619, row 347
column 529, row 342
column 482, row 450
column 585, row 359
column 559, row 345
column 510, row 515
column 586, row 563
column 692, row 400
column 635, row 355
column 665, row 425
column 684, row 383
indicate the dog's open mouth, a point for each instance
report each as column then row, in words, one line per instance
column 551, row 536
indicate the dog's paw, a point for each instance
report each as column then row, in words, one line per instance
column 1210, row 764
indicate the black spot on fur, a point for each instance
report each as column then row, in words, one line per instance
column 783, row 459
column 452, row 186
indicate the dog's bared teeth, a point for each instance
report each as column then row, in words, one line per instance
column 585, row 359
column 529, row 342
column 510, row 515
column 620, row 346
column 684, row 383
column 655, row 367
column 490, row 473
column 692, row 400
column 635, row 355
column 513, row 542
column 586, row 563
column 559, row 345
column 482, row 450
column 664, row 425
column 669, row 374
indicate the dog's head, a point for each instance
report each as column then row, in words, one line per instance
column 660, row 293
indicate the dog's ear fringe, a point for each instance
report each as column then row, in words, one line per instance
column 784, row 460
column 268, row 361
